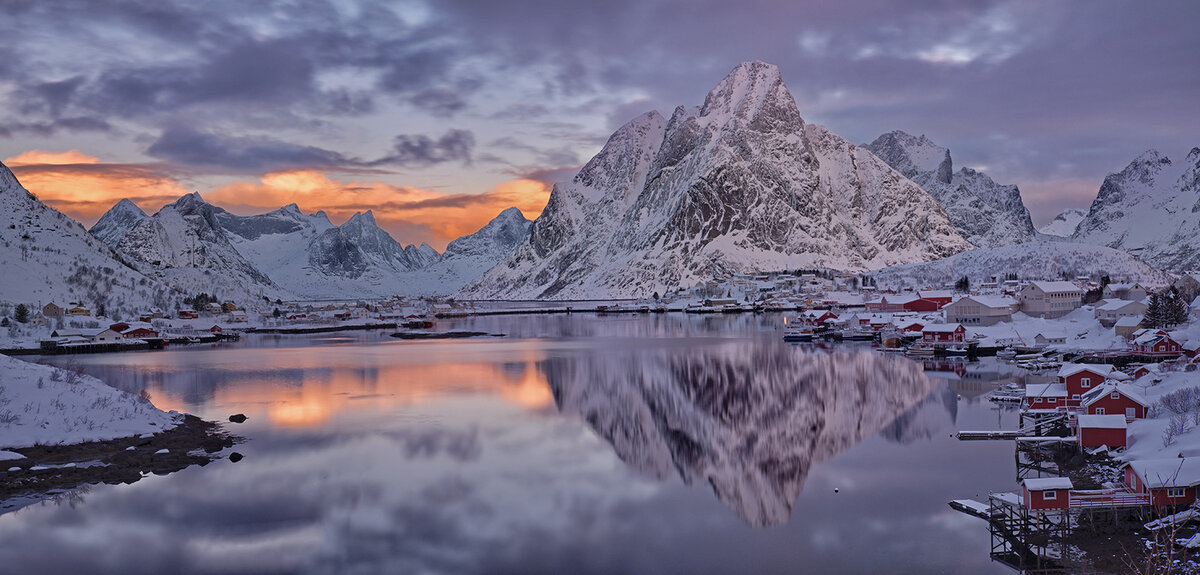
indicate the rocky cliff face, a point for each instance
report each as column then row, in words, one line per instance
column 117, row 222
column 738, row 184
column 750, row 420
column 1151, row 210
column 986, row 213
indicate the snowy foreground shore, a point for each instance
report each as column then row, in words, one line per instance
column 44, row 405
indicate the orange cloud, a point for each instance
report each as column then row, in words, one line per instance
column 411, row 215
column 83, row 187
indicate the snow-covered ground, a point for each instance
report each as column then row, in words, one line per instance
column 1082, row 332
column 44, row 405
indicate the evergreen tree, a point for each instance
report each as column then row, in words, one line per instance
column 21, row 314
column 963, row 284
column 1175, row 309
column 1154, row 318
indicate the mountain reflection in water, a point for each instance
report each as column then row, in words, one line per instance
column 748, row 419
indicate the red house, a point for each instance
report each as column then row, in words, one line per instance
column 1097, row 430
column 188, row 314
column 215, row 329
column 939, row 297
column 1157, row 343
column 944, row 333
column 1082, row 378
column 1113, row 399
column 1170, row 482
column 1047, row 396
column 1046, row 493
column 139, row 333
column 816, row 316
column 903, row 302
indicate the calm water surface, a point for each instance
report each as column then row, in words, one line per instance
column 576, row 444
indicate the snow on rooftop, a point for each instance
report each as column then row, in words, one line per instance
column 1129, row 321
column 942, row 327
column 1056, row 287
column 1101, row 369
column 1168, row 472
column 1045, row 483
column 1111, row 421
column 1045, row 390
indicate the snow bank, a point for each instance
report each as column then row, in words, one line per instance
column 46, row 405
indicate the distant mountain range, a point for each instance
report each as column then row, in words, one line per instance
column 738, row 184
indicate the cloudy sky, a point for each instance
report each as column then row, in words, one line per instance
column 439, row 114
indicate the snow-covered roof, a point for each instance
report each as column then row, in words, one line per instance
column 942, row 328
column 1110, row 421
column 992, row 301
column 935, row 293
column 1101, row 369
column 1118, row 305
column 1169, row 472
column 1129, row 321
column 1096, row 394
column 1046, row 483
column 1056, row 287
column 1045, row 390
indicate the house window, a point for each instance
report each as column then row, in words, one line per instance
column 1075, row 397
column 1115, row 395
column 1037, row 400
column 1131, row 412
column 1085, row 382
column 1048, row 495
column 1051, row 399
column 1176, row 492
column 1099, row 411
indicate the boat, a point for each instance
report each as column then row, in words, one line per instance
column 858, row 334
column 1006, row 353
column 1009, row 393
column 798, row 334
column 956, row 351
column 920, row 350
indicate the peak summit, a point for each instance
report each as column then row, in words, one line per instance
column 751, row 90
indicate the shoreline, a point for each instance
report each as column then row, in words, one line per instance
column 49, row 470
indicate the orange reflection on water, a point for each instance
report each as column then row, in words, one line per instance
column 304, row 387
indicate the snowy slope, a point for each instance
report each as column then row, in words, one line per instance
column 117, row 222
column 48, row 257
column 468, row 257
column 1150, row 209
column 1030, row 260
column 40, row 404
column 747, row 419
column 739, row 184
column 986, row 213
column 185, row 246
column 1064, row 224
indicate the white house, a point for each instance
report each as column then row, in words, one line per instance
column 1112, row 310
column 1050, row 299
column 980, row 310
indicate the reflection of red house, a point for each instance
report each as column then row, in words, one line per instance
column 1097, row 430
column 1113, row 399
column 944, row 333
column 1046, row 493
column 1170, row 482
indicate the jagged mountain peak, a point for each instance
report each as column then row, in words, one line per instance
column 126, row 205
column 8, row 180
column 118, row 221
column 986, row 213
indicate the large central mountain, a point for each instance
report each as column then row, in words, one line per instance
column 1150, row 209
column 986, row 213
column 739, row 184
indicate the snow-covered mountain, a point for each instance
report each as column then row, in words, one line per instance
column 48, row 257
column 117, row 222
column 186, row 246
column 738, row 184
column 986, row 213
column 1149, row 209
column 1031, row 260
column 748, row 419
column 468, row 257
column 1064, row 224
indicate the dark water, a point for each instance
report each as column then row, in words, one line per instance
column 576, row 444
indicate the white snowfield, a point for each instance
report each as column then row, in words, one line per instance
column 1064, row 224
column 44, row 405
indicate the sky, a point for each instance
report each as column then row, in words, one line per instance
column 438, row 115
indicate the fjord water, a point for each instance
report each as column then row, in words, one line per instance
column 576, row 443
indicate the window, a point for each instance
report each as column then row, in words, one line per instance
column 1115, row 395
column 1085, row 382
column 1075, row 397
column 1051, row 399
column 1176, row 492
column 1131, row 412
column 1051, row 494
column 1037, row 400
column 1099, row 411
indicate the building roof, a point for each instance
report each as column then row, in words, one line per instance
column 1101, row 369
column 1045, row 390
column 1128, row 321
column 935, row 293
column 1119, row 304
column 993, row 301
column 1096, row 394
column 1169, row 472
column 1111, row 421
column 1046, row 483
column 942, row 328
column 1056, row 287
